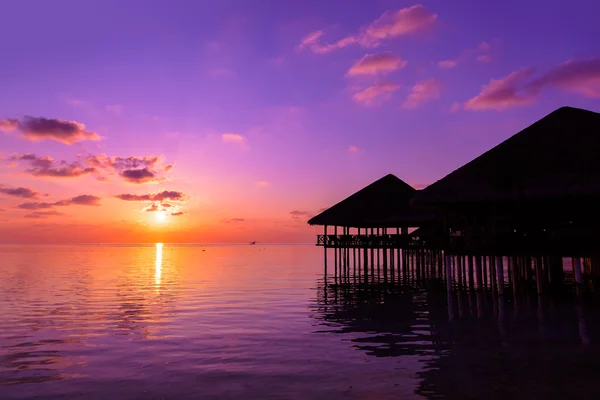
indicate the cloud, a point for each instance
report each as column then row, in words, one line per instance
column 397, row 23
column 8, row 125
column 171, row 195
column 373, row 64
column 158, row 200
column 484, row 58
column 42, row 214
column 22, row 192
column 47, row 167
column 379, row 92
column 503, row 93
column 309, row 40
column 153, row 208
column 296, row 215
column 232, row 138
column 133, row 169
column 423, row 92
column 484, row 46
column 115, row 109
column 263, row 183
column 121, row 163
column 582, row 77
column 352, row 149
column 138, row 176
column 39, row 128
column 467, row 54
column 232, row 220
column 390, row 24
column 82, row 200
column 178, row 213
column 35, row 206
column 448, row 64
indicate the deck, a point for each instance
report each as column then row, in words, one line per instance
column 369, row 241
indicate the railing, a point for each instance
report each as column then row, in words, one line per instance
column 369, row 241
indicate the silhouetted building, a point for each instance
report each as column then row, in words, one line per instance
column 539, row 188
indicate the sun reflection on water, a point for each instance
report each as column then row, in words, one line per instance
column 158, row 272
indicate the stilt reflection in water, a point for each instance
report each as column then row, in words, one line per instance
column 512, row 335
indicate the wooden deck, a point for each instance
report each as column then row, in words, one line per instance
column 369, row 241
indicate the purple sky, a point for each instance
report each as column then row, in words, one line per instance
column 265, row 108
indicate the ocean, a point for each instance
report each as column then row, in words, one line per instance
column 264, row 322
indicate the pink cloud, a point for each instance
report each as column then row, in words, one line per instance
column 47, row 167
column 448, row 64
column 397, row 23
column 389, row 25
column 423, row 92
column 115, row 109
column 582, row 77
column 232, row 138
column 507, row 92
column 22, row 192
column 352, row 149
column 372, row 64
column 171, row 195
column 263, row 183
column 377, row 93
column 484, row 46
column 484, row 58
column 39, row 128
column 310, row 40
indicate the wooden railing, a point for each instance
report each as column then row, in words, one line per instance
column 369, row 241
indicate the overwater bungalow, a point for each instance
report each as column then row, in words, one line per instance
column 372, row 224
column 378, row 215
column 537, row 190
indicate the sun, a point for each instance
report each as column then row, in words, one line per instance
column 161, row 216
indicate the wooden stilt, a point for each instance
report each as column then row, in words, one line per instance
column 500, row 275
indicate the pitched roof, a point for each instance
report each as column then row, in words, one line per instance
column 380, row 204
column 557, row 156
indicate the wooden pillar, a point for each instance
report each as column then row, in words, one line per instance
column 354, row 257
column 335, row 250
column 449, row 274
column 366, row 256
column 539, row 280
column 577, row 270
column 492, row 264
column 372, row 254
column 385, row 250
column 325, row 249
column 479, row 272
column 500, row 275
column 470, row 272
column 398, row 255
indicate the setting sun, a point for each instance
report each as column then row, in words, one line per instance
column 161, row 216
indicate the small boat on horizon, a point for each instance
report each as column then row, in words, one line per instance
column 253, row 242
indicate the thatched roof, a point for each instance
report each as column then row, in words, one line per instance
column 384, row 203
column 556, row 157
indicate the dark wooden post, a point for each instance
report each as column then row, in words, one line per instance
column 385, row 250
column 366, row 256
column 335, row 250
column 372, row 255
column 325, row 247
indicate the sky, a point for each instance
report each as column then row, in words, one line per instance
column 231, row 121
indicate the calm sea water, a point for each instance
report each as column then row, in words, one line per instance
column 259, row 322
